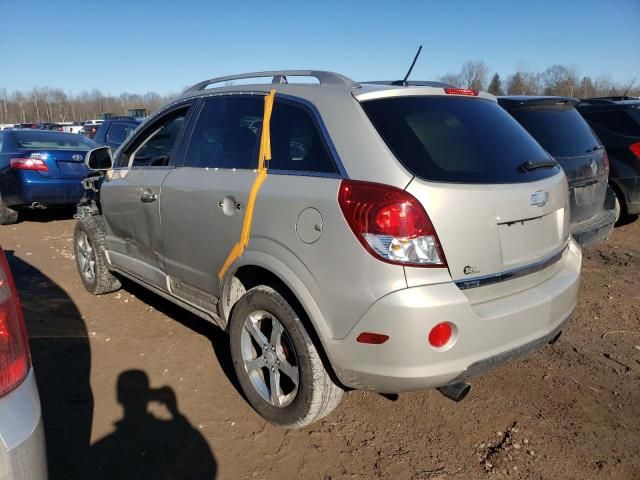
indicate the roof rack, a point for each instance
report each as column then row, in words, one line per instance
column 280, row 76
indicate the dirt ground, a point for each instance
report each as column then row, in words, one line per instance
column 134, row 387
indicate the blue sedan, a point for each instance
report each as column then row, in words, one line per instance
column 39, row 169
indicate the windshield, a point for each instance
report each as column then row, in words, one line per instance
column 560, row 130
column 457, row 139
column 52, row 140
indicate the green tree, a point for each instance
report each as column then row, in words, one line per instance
column 495, row 86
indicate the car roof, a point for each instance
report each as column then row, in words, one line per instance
column 328, row 83
column 511, row 101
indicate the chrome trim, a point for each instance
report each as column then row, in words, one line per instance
column 511, row 274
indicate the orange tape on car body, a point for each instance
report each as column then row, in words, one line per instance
column 263, row 157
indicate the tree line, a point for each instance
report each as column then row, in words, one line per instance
column 45, row 104
column 555, row 80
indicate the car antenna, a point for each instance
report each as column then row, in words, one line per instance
column 628, row 88
column 404, row 82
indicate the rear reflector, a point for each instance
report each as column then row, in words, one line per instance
column 34, row 162
column 372, row 338
column 635, row 149
column 14, row 348
column 440, row 335
column 461, row 91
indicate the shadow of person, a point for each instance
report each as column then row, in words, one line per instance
column 146, row 446
column 61, row 358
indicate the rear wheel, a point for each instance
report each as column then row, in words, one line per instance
column 277, row 364
column 89, row 247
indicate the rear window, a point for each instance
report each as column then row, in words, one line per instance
column 456, row 139
column 52, row 140
column 624, row 122
column 560, row 130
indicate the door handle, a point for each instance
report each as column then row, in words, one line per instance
column 148, row 196
column 229, row 205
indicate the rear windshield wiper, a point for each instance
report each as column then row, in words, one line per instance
column 528, row 166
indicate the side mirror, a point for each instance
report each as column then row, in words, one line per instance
column 99, row 159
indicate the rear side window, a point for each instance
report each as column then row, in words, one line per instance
column 560, row 130
column 296, row 143
column 456, row 139
column 227, row 133
column 623, row 122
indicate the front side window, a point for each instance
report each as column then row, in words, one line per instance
column 154, row 147
column 227, row 133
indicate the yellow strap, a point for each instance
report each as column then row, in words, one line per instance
column 263, row 157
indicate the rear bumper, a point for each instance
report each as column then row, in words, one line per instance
column 22, row 447
column 486, row 334
column 26, row 187
column 597, row 227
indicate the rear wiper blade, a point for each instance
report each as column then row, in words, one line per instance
column 528, row 166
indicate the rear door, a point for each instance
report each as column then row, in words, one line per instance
column 562, row 132
column 131, row 192
column 205, row 199
column 491, row 214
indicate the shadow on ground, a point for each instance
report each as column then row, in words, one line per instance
column 142, row 445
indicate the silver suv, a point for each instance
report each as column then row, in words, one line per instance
column 347, row 236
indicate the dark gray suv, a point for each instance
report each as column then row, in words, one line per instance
column 556, row 124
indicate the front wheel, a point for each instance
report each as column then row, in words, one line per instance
column 89, row 248
column 277, row 364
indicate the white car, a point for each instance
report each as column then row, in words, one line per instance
column 22, row 447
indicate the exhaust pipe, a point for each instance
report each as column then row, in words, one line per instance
column 455, row 391
column 38, row 206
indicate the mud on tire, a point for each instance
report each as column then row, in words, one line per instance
column 89, row 247
column 316, row 395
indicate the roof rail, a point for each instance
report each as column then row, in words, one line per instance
column 280, row 76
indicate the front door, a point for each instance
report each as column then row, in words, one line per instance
column 204, row 201
column 130, row 197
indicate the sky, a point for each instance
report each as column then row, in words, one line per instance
column 164, row 46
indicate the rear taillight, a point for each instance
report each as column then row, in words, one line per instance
column 14, row 348
column 461, row 91
column 635, row 149
column 390, row 223
column 35, row 161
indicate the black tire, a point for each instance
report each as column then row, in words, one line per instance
column 317, row 395
column 91, row 229
column 8, row 216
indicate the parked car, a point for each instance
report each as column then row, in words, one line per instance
column 7, row 126
column 49, row 126
column 617, row 123
column 75, row 127
column 39, row 169
column 89, row 130
column 22, row 445
column 27, row 125
column 381, row 237
column 114, row 131
column 558, row 127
